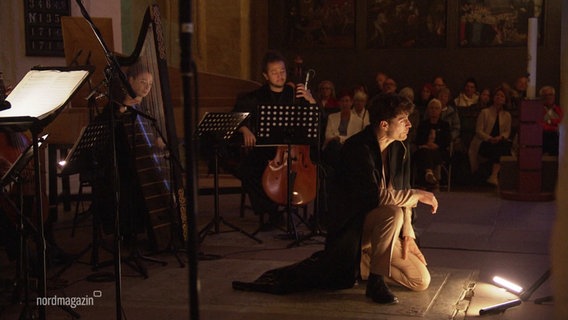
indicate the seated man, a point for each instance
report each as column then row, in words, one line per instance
column 275, row 91
column 372, row 213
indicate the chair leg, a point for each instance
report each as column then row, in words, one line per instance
column 447, row 170
column 449, row 178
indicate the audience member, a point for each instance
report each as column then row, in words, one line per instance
column 432, row 141
column 389, row 86
column 468, row 117
column 437, row 84
column 484, row 99
column 414, row 115
column 492, row 134
column 468, row 96
column 423, row 98
column 550, row 121
column 340, row 126
column 360, row 107
column 516, row 95
column 326, row 96
column 380, row 79
column 449, row 113
column 520, row 88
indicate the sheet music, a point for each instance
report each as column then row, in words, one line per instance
column 43, row 91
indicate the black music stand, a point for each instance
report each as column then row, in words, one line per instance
column 220, row 127
column 32, row 110
column 92, row 142
column 290, row 125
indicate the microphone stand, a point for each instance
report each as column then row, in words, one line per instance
column 112, row 70
column 187, row 72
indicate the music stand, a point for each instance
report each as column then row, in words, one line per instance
column 93, row 140
column 289, row 125
column 36, row 101
column 13, row 174
column 220, row 127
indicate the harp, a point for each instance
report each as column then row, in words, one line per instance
column 160, row 178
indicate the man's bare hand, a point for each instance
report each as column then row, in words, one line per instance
column 427, row 198
column 249, row 138
column 303, row 92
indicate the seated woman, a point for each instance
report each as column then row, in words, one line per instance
column 432, row 141
column 340, row 126
column 326, row 96
column 492, row 135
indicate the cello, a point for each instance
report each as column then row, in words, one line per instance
column 291, row 162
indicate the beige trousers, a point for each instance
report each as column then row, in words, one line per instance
column 382, row 250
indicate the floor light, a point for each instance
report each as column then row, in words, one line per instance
column 508, row 284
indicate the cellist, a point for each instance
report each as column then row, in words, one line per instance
column 275, row 91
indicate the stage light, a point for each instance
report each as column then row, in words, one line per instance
column 508, row 284
column 500, row 307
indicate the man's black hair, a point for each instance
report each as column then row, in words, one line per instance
column 270, row 57
column 386, row 107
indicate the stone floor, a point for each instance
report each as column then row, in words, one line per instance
column 474, row 236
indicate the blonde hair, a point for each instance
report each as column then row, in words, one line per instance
column 432, row 102
column 359, row 95
column 550, row 88
column 327, row 82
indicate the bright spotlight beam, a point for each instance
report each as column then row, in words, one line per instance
column 508, row 284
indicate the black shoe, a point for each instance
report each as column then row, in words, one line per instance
column 378, row 290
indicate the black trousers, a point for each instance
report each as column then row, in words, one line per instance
column 250, row 172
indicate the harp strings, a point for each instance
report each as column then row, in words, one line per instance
column 153, row 104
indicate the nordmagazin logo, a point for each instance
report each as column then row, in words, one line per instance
column 71, row 302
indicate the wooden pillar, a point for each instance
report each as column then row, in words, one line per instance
column 560, row 234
